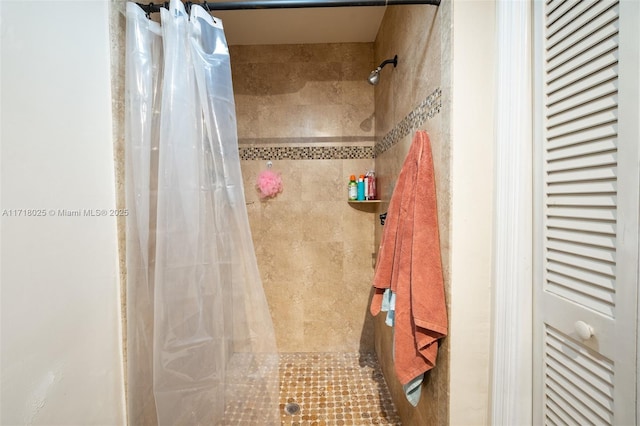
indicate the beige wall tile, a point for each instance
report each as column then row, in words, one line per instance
column 318, row 293
column 414, row 34
column 286, row 316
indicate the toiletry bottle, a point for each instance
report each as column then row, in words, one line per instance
column 361, row 188
column 353, row 188
column 366, row 186
column 371, row 192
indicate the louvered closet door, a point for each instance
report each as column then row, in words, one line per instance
column 586, row 212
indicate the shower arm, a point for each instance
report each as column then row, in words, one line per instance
column 286, row 4
column 393, row 61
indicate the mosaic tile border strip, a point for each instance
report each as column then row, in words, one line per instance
column 305, row 140
column 427, row 109
column 305, row 152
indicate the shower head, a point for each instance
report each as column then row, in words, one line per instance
column 374, row 77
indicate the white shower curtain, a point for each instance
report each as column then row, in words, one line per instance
column 199, row 332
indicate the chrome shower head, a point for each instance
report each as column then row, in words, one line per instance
column 374, row 77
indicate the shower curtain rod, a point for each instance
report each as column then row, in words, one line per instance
column 287, row 4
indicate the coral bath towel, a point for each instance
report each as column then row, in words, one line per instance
column 409, row 264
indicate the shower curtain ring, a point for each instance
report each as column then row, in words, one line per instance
column 149, row 10
column 205, row 4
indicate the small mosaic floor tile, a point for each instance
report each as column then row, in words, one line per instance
column 315, row 389
column 334, row 389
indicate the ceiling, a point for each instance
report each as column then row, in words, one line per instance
column 294, row 26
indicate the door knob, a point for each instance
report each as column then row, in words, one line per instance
column 584, row 330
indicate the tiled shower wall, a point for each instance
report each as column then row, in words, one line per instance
column 413, row 97
column 309, row 110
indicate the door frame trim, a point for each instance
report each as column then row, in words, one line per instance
column 512, row 363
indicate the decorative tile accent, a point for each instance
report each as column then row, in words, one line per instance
column 305, row 152
column 427, row 109
column 305, row 140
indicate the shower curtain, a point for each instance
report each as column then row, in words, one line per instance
column 200, row 341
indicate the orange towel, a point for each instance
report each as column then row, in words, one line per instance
column 409, row 264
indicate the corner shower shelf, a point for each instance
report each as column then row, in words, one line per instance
column 364, row 201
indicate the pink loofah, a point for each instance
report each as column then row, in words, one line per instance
column 269, row 183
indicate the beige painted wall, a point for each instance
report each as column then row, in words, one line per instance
column 472, row 50
column 413, row 33
column 61, row 331
column 314, row 250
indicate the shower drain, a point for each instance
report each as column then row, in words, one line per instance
column 292, row 408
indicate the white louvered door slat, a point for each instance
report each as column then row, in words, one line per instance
column 583, row 213
column 586, row 187
column 589, row 81
column 587, row 211
column 581, row 16
column 600, row 253
column 592, row 107
column 588, row 135
column 602, row 90
column 570, row 151
column 598, row 241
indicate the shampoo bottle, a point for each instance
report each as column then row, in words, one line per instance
column 353, row 188
column 361, row 188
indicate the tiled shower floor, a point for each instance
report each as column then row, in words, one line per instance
column 335, row 389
